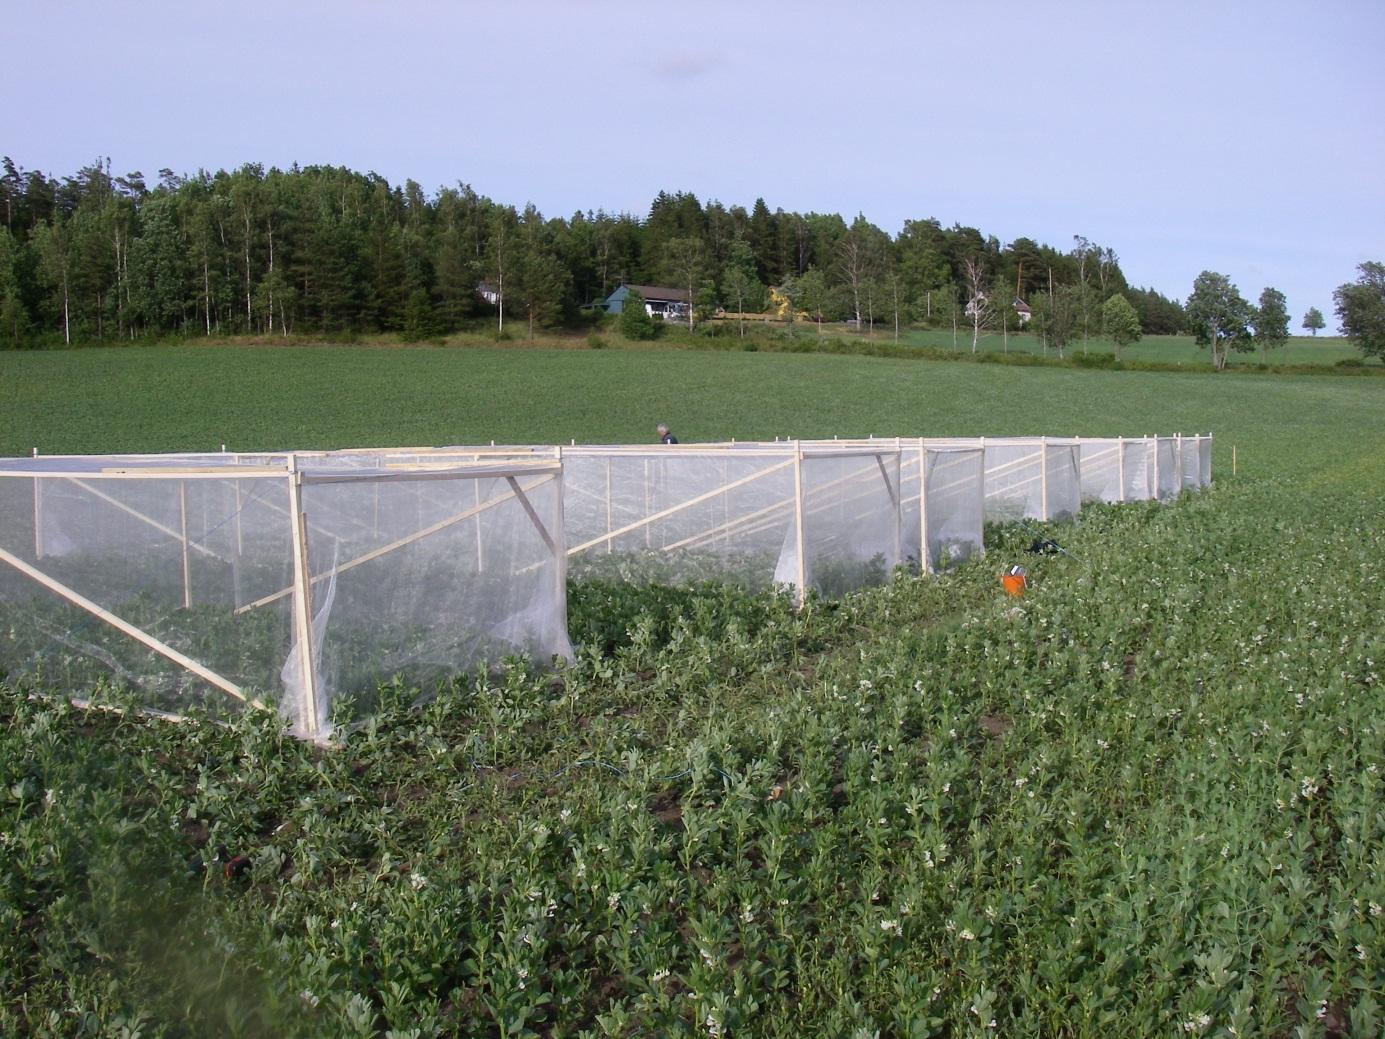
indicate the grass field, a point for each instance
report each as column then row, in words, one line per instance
column 1145, row 800
column 196, row 399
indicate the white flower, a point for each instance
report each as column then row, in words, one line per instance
column 889, row 926
column 565, row 814
column 659, row 975
column 309, row 998
column 613, row 900
column 966, row 935
column 747, row 914
column 418, row 880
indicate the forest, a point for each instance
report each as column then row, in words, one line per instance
column 94, row 257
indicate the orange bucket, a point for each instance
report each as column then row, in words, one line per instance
column 1014, row 583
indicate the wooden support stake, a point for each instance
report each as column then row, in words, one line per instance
column 609, row 548
column 1043, row 477
column 303, row 607
column 149, row 520
column 801, row 594
column 38, row 516
column 408, row 539
column 138, row 634
column 1120, row 464
column 699, row 499
column 925, row 550
column 183, row 537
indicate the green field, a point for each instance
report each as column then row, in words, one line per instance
column 1145, row 800
column 1325, row 350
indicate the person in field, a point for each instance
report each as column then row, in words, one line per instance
column 665, row 435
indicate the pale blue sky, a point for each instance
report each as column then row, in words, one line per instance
column 1247, row 138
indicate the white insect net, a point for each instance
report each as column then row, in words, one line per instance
column 301, row 581
column 184, row 583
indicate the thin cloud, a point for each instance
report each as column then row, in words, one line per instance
column 686, row 65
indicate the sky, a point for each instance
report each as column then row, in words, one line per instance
column 1240, row 137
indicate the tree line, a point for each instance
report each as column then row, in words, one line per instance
column 99, row 257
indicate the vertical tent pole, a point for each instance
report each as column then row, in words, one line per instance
column 609, row 548
column 236, row 542
column 1043, row 478
column 1120, row 465
column 38, row 516
column 801, row 594
column 476, row 521
column 559, row 538
column 898, row 502
column 924, row 553
column 302, row 603
column 1178, row 453
column 647, row 507
column 183, row 537
column 983, row 478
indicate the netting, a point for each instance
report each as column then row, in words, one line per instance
column 301, row 581
column 197, row 585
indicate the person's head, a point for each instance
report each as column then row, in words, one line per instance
column 661, row 429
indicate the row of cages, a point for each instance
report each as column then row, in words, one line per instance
column 300, row 581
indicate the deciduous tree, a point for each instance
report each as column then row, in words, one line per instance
column 1218, row 316
column 1121, row 322
column 1312, row 320
column 739, row 282
column 1361, row 308
column 1271, row 320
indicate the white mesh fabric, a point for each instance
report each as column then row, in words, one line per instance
column 1101, row 469
column 955, row 506
column 449, row 572
column 851, row 517
column 161, row 554
column 1062, row 490
column 679, row 517
column 1014, row 480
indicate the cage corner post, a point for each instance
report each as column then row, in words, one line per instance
column 307, row 708
column 800, row 561
column 1043, row 478
column 925, row 550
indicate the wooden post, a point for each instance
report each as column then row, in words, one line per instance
column 139, row 635
column 1155, row 495
column 183, row 537
column 609, row 547
column 1043, row 477
column 897, row 500
column 38, row 515
column 559, row 546
column 647, row 507
column 925, row 556
column 983, row 474
column 235, row 542
column 1121, row 464
column 302, row 604
column 801, row 595
column 476, row 521
column 1233, row 459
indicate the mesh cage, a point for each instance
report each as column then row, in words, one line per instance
column 1014, row 480
column 301, row 581
column 954, row 514
column 125, row 581
column 422, row 575
column 851, row 520
column 1102, row 470
column 678, row 517
column 1061, row 493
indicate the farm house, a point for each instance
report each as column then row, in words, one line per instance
column 298, row 581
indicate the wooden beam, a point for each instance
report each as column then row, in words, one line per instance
column 408, row 539
column 673, row 509
column 136, row 514
column 124, row 626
